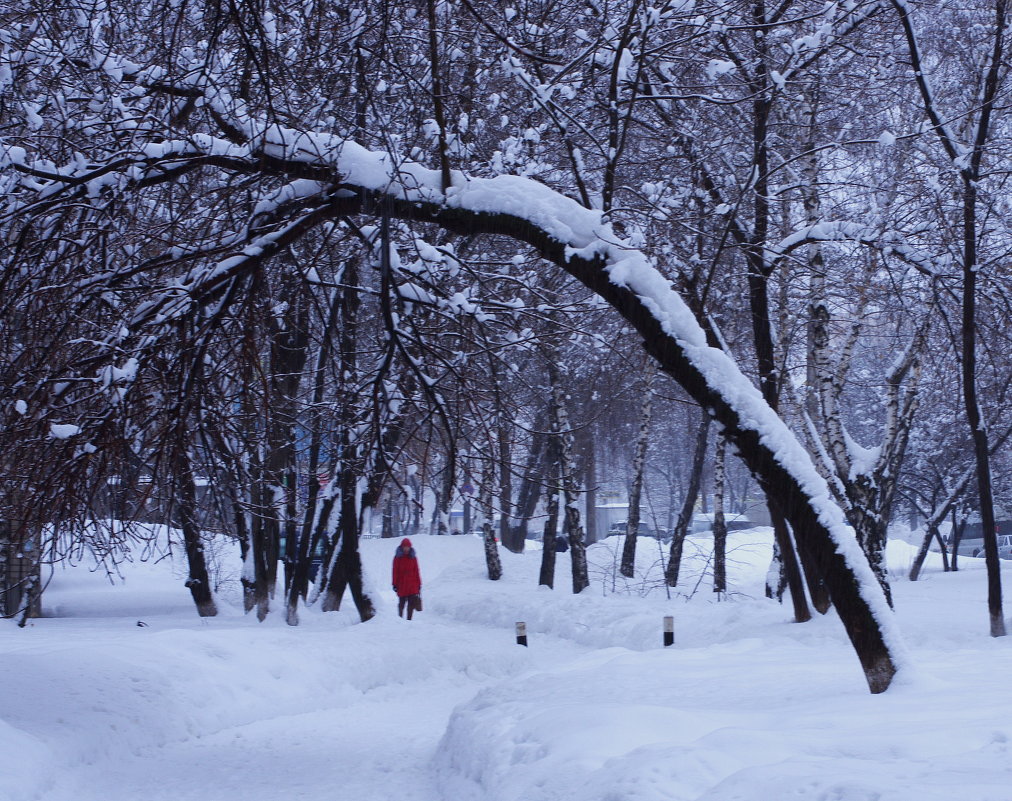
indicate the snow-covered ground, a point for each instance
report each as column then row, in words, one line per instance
column 747, row 706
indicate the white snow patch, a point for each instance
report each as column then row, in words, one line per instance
column 63, row 430
column 746, row 705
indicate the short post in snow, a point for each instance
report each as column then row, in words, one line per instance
column 669, row 631
column 522, row 634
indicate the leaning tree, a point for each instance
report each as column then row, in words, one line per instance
column 84, row 199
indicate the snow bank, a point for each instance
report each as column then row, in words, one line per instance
column 725, row 715
column 747, row 705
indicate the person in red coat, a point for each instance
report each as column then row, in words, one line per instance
column 407, row 580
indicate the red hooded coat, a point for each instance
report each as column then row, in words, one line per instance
column 407, row 580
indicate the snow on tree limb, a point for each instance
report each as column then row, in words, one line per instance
column 844, row 231
column 577, row 239
column 328, row 177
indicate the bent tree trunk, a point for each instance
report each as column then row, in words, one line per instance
column 673, row 339
column 354, row 181
column 854, row 592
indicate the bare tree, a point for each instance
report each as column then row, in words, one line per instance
column 967, row 161
column 628, row 565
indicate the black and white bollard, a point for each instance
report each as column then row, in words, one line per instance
column 669, row 631
column 522, row 634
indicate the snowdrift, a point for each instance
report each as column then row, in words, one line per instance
column 747, row 705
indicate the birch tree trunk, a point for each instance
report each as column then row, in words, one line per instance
column 818, row 321
column 552, row 479
column 719, row 524
column 628, row 566
column 590, row 481
column 571, row 520
column 344, row 564
column 684, row 522
column 492, row 562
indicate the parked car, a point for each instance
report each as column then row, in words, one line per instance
column 702, row 523
column 972, row 543
column 975, row 547
column 968, row 546
column 618, row 529
column 1004, row 547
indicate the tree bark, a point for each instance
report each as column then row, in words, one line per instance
column 789, row 487
column 590, row 482
column 343, row 563
column 628, row 566
column 530, row 489
column 719, row 524
column 818, row 341
column 444, row 493
column 492, row 562
column 978, row 431
column 346, row 571
column 958, row 527
column 505, row 486
column 437, row 95
column 198, row 580
column 922, row 552
column 552, row 478
column 684, row 522
column 776, row 578
column 571, row 519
